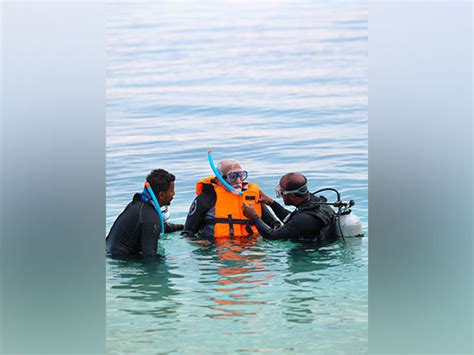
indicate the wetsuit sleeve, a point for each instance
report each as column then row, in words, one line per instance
column 298, row 225
column 151, row 229
column 197, row 212
column 173, row 227
column 150, row 235
column 280, row 211
column 268, row 217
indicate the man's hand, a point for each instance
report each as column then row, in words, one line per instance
column 264, row 198
column 249, row 211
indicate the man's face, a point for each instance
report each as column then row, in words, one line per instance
column 167, row 196
column 236, row 184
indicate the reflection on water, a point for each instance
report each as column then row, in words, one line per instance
column 240, row 267
column 257, row 288
column 280, row 86
column 145, row 282
column 240, row 271
column 309, row 275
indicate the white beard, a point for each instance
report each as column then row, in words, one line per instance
column 237, row 189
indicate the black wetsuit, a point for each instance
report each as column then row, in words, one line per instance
column 200, row 218
column 136, row 230
column 308, row 222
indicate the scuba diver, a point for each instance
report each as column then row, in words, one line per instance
column 216, row 211
column 312, row 220
column 136, row 230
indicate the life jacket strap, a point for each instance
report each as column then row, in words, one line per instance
column 231, row 221
column 231, row 225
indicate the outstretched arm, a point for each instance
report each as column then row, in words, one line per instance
column 197, row 212
column 268, row 218
column 173, row 227
column 298, row 225
column 279, row 210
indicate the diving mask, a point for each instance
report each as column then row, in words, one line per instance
column 233, row 176
column 300, row 190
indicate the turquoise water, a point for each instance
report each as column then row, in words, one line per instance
column 280, row 86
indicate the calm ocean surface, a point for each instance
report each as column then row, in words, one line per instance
column 280, row 86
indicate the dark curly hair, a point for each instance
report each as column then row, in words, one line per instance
column 160, row 180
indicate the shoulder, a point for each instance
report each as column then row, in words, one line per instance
column 207, row 198
column 204, row 201
column 252, row 185
column 208, row 189
column 208, row 194
column 148, row 213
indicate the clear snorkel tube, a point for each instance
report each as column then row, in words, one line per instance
column 157, row 206
column 166, row 213
column 219, row 176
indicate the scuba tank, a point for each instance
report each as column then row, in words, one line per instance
column 346, row 224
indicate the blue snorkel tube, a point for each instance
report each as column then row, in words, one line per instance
column 219, row 176
column 157, row 206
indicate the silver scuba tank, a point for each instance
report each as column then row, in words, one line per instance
column 349, row 224
column 166, row 213
column 346, row 223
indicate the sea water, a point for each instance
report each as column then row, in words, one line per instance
column 279, row 86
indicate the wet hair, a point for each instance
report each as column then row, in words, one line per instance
column 160, row 180
column 293, row 181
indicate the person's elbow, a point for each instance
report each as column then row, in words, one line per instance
column 188, row 233
column 173, row 227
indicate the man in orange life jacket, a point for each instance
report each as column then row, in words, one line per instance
column 217, row 212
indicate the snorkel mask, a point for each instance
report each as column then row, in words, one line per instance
column 279, row 192
column 221, row 178
column 233, row 176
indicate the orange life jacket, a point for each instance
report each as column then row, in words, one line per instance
column 229, row 219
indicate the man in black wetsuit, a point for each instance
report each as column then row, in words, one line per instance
column 136, row 230
column 310, row 221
